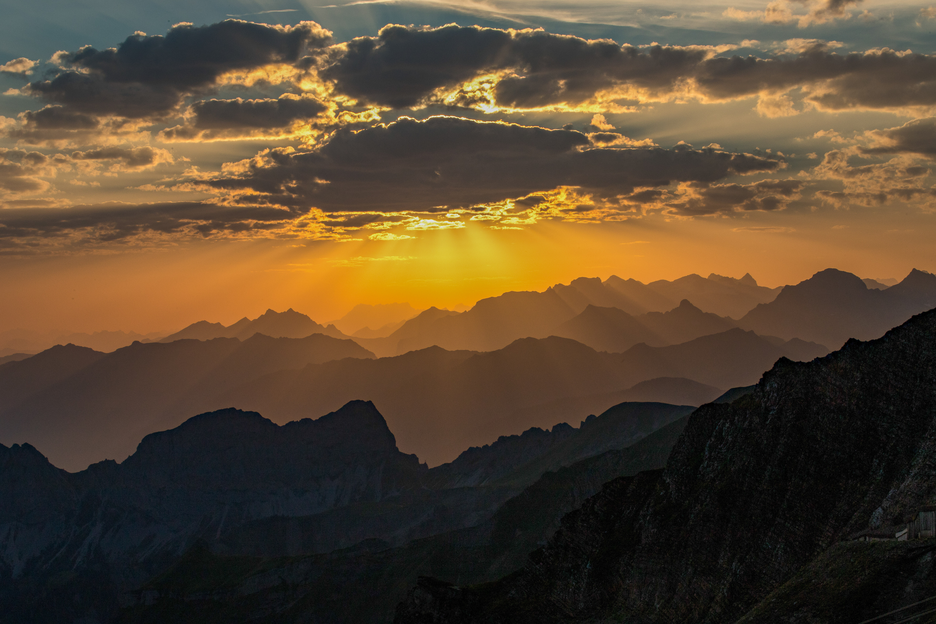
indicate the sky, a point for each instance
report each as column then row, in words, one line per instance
column 167, row 162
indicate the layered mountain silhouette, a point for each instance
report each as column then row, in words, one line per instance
column 206, row 585
column 243, row 484
column 747, row 520
column 439, row 402
column 833, row 306
column 80, row 406
column 495, row 322
column 373, row 321
column 615, row 314
column 612, row 329
column 288, row 324
column 30, row 342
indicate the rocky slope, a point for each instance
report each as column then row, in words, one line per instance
column 754, row 491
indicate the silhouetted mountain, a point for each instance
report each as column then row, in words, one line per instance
column 613, row 330
column 753, row 493
column 491, row 324
column 675, row 390
column 288, row 324
column 216, row 471
column 21, row 379
column 206, row 586
column 833, row 306
column 79, row 406
column 482, row 464
column 724, row 360
column 373, row 317
column 495, row 322
column 381, row 332
column 672, row 390
column 874, row 284
column 241, row 484
column 105, row 341
column 521, row 459
column 719, row 295
column 25, row 341
column 437, row 402
column 15, row 357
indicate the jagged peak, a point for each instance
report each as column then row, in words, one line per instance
column 686, row 306
column 918, row 275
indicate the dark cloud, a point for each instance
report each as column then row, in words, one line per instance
column 20, row 171
column 58, row 118
column 766, row 195
column 232, row 118
column 127, row 159
column 94, row 94
column 403, row 66
column 120, row 221
column 227, row 114
column 881, row 79
column 563, row 69
column 448, row 162
column 914, row 137
column 147, row 76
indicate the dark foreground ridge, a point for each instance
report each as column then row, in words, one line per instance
column 756, row 493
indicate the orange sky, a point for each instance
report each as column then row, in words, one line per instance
column 439, row 164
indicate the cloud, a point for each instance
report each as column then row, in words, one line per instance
column 389, row 236
column 146, row 76
column 18, row 67
column 403, row 66
column 914, row 137
column 491, row 69
column 116, row 221
column 57, row 126
column 126, row 159
column 881, row 79
column 701, row 198
column 900, row 178
column 781, row 12
column 239, row 118
column 448, row 162
column 21, row 172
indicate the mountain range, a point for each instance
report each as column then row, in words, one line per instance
column 649, row 512
column 750, row 520
column 244, row 485
column 437, row 400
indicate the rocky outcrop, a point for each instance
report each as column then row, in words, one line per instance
column 752, row 493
